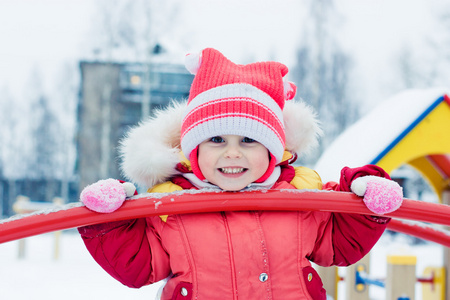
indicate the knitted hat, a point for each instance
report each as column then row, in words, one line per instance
column 231, row 99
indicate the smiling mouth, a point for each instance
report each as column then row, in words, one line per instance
column 232, row 170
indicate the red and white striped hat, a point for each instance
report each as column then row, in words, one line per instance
column 231, row 99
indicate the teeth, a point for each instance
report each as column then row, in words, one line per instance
column 232, row 170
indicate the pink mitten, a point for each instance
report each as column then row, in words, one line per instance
column 106, row 196
column 381, row 195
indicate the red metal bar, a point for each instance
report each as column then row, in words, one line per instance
column 447, row 99
column 421, row 231
column 200, row 201
column 442, row 163
column 426, row 280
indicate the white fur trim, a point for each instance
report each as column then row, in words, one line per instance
column 301, row 127
column 150, row 151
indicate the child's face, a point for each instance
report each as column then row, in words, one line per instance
column 232, row 162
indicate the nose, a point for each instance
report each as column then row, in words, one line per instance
column 233, row 151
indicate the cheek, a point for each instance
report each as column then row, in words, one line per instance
column 261, row 160
column 203, row 164
column 205, row 161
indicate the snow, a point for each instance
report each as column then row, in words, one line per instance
column 46, row 33
column 75, row 275
column 363, row 141
column 37, row 210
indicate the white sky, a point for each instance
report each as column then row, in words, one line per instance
column 45, row 33
column 41, row 33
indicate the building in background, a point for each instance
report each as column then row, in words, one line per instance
column 113, row 97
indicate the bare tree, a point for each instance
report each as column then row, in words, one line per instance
column 14, row 136
column 130, row 29
column 65, row 103
column 45, row 143
column 13, row 133
column 42, row 138
column 439, row 42
column 414, row 70
column 5, row 123
column 322, row 73
column 104, row 37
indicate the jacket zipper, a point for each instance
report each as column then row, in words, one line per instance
column 264, row 253
column 230, row 251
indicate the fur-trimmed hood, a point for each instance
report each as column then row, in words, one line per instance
column 150, row 151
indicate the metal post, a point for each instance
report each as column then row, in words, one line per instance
column 16, row 208
column 57, row 201
column 446, row 200
column 401, row 277
column 353, row 291
column 330, row 279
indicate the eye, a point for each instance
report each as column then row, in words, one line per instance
column 248, row 140
column 217, row 139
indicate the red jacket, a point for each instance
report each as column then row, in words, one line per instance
column 236, row 255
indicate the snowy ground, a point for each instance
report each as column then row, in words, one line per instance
column 427, row 253
column 76, row 276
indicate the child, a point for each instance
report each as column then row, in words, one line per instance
column 238, row 132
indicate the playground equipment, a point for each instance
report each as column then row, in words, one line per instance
column 412, row 133
column 75, row 214
column 411, row 128
column 24, row 205
column 401, row 279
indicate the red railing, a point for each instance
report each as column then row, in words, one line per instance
column 76, row 215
